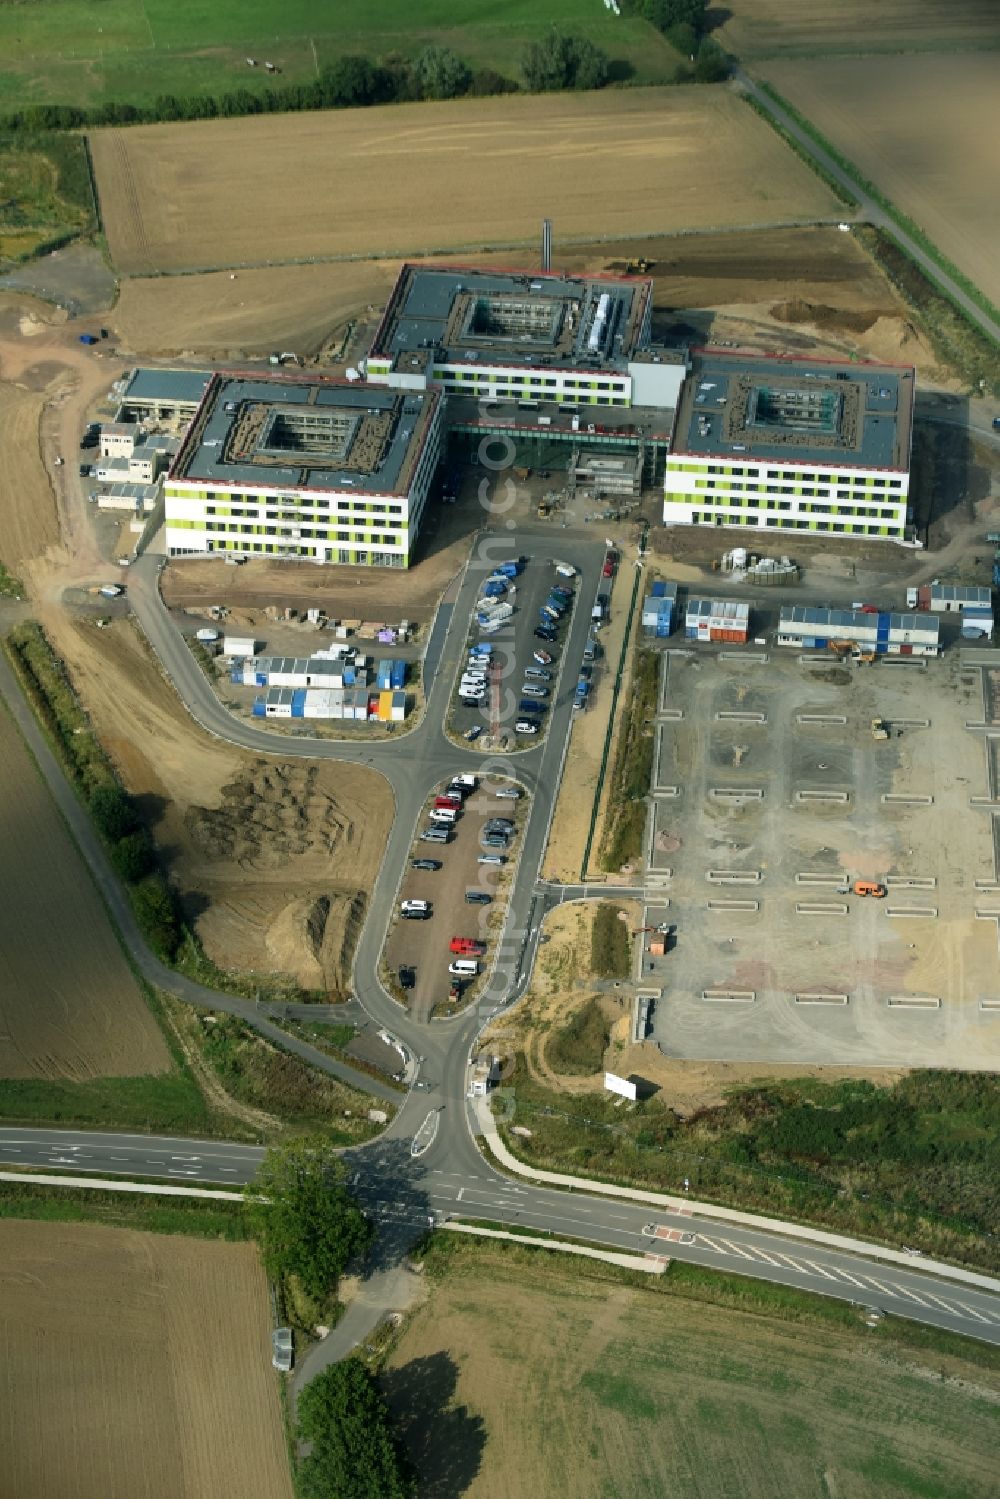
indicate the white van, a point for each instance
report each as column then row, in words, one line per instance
column 415, row 905
column 491, row 859
column 465, row 968
column 443, row 814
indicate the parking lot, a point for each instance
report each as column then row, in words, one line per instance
column 771, row 798
column 423, row 945
column 514, row 647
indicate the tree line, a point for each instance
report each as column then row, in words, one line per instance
column 556, row 62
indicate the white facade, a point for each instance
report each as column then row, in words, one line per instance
column 737, row 491
column 510, row 382
column 810, row 628
column 118, row 439
column 350, row 526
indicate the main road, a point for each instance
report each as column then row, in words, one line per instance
column 401, row 1184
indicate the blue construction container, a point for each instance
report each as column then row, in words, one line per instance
column 383, row 677
column 398, row 675
column 260, row 679
column 299, row 703
column 664, row 623
column 658, row 590
column 258, row 708
column 510, row 569
column 996, row 575
column 494, row 589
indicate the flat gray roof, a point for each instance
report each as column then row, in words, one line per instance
column 856, row 619
column 462, row 315
column 646, row 422
column 302, row 432
column 168, row 386
column 796, row 412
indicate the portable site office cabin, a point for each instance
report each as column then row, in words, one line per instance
column 717, row 619
column 952, row 598
column 658, row 610
column 806, row 627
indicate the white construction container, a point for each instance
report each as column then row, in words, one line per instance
column 238, row 645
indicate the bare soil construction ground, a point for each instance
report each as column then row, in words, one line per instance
column 142, row 1367
column 562, row 986
column 784, row 796
column 70, row 1008
column 588, row 1386
column 342, row 592
column 194, row 196
column 278, row 857
column 915, row 126
column 818, row 272
column 766, row 28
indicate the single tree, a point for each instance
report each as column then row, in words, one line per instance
column 560, row 61
column 134, row 856
column 343, row 1417
column 440, row 73
column 114, row 812
column 306, row 1221
column 711, row 64
column 666, row 14
column 156, row 912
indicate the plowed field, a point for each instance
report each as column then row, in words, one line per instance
column 765, row 28
column 918, row 128
column 418, row 178
column 69, row 1005
column 135, row 1365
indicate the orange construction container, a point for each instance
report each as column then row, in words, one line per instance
column 385, row 707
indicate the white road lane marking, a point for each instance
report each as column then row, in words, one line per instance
column 819, row 1269
column 905, row 1291
column 761, row 1254
column 461, row 1194
column 848, row 1276
column 792, row 1264
column 973, row 1313
column 878, row 1285
column 735, row 1249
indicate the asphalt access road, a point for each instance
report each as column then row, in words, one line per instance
column 451, row 1176
column 401, row 1194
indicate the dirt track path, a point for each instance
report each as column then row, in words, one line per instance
column 38, row 354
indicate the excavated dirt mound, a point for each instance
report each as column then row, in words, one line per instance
column 832, row 319
column 313, row 938
column 268, row 814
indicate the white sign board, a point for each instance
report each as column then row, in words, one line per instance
column 613, row 1084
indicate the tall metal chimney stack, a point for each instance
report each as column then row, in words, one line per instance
column 546, row 244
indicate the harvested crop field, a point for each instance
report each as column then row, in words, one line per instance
column 372, row 181
column 70, row 1008
column 136, row 1364
column 766, row 28
column 559, row 1379
column 28, row 521
column 275, row 859
column 917, row 127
